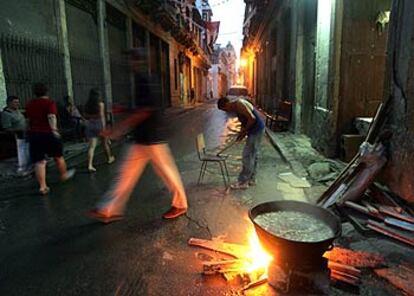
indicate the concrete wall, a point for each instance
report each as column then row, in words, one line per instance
column 399, row 174
column 29, row 18
column 85, row 53
column 35, row 21
column 305, row 65
column 328, row 50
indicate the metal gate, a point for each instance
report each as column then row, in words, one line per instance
column 27, row 61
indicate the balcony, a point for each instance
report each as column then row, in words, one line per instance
column 149, row 6
column 165, row 13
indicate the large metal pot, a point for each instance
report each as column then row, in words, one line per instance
column 290, row 250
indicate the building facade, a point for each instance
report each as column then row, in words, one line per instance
column 223, row 72
column 325, row 56
column 336, row 61
column 75, row 45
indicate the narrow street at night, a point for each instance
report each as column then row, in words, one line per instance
column 207, row 147
column 50, row 247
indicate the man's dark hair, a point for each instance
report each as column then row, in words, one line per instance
column 222, row 102
column 11, row 98
column 40, row 89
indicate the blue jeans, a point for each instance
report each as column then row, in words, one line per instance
column 250, row 155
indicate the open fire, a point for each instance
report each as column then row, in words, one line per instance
column 256, row 257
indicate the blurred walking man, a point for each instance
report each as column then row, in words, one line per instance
column 150, row 146
column 253, row 127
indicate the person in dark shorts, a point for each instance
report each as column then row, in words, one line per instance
column 44, row 137
column 95, row 115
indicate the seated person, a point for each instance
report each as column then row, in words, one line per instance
column 13, row 121
column 72, row 118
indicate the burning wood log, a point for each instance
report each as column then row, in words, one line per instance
column 342, row 262
column 254, row 284
column 235, row 250
column 214, row 267
column 233, row 268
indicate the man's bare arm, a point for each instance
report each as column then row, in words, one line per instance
column 53, row 124
column 243, row 110
column 52, row 121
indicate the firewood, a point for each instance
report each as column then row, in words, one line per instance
column 222, row 262
column 363, row 209
column 391, row 211
column 339, row 277
column 393, row 233
column 345, row 274
column 371, row 208
column 357, row 207
column 254, row 284
column 379, row 194
column 400, row 224
column 224, row 266
column 344, row 268
column 235, row 250
column 357, row 259
column 401, row 277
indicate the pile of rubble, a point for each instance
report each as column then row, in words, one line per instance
column 366, row 204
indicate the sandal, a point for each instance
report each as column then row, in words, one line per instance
column 111, row 159
column 91, row 170
column 44, row 191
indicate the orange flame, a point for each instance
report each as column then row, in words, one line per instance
column 257, row 257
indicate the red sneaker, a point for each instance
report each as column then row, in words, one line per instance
column 174, row 213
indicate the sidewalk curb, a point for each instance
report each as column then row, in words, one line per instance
column 288, row 157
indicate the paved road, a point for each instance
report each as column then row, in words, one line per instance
column 49, row 247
